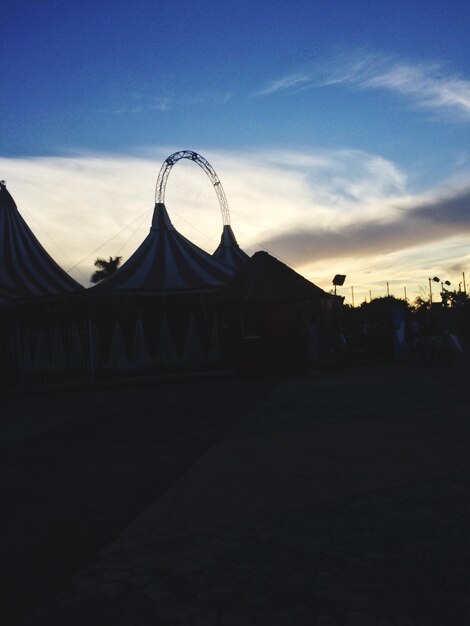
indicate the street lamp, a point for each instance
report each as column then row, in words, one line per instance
column 447, row 283
column 436, row 279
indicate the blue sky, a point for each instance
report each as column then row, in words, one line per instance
column 356, row 113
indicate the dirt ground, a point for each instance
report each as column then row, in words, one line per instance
column 341, row 497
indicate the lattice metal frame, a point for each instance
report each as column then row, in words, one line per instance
column 208, row 169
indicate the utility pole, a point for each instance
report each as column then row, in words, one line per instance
column 352, row 295
column 388, row 290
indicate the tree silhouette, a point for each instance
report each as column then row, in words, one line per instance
column 454, row 298
column 420, row 303
column 105, row 268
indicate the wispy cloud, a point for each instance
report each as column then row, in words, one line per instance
column 210, row 98
column 146, row 105
column 289, row 82
column 138, row 102
column 428, row 85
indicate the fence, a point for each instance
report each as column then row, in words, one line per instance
column 78, row 352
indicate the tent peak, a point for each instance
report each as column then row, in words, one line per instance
column 161, row 219
column 6, row 199
column 228, row 251
column 26, row 269
column 228, row 236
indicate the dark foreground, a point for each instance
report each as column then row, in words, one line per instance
column 341, row 498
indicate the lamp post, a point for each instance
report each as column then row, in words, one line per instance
column 447, row 283
column 338, row 280
column 436, row 279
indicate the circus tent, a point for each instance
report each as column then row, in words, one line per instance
column 26, row 269
column 167, row 262
column 228, row 251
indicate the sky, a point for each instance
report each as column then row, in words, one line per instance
column 339, row 130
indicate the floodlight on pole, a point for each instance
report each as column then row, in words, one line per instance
column 338, row 280
column 444, row 283
column 431, row 280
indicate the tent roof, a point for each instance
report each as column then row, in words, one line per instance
column 228, row 251
column 167, row 262
column 26, row 269
column 263, row 278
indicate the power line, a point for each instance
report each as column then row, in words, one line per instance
column 108, row 240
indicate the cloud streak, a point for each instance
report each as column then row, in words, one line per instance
column 428, row 85
column 138, row 103
column 413, row 224
column 160, row 104
column 289, row 82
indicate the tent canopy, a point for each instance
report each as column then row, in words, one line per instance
column 167, row 262
column 26, row 269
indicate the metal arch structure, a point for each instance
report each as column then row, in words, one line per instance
column 208, row 169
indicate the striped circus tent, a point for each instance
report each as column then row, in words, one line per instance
column 140, row 354
column 166, row 354
column 167, row 262
column 26, row 269
column 228, row 251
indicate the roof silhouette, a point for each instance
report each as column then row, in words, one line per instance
column 264, row 278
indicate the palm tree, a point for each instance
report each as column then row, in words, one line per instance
column 106, row 268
